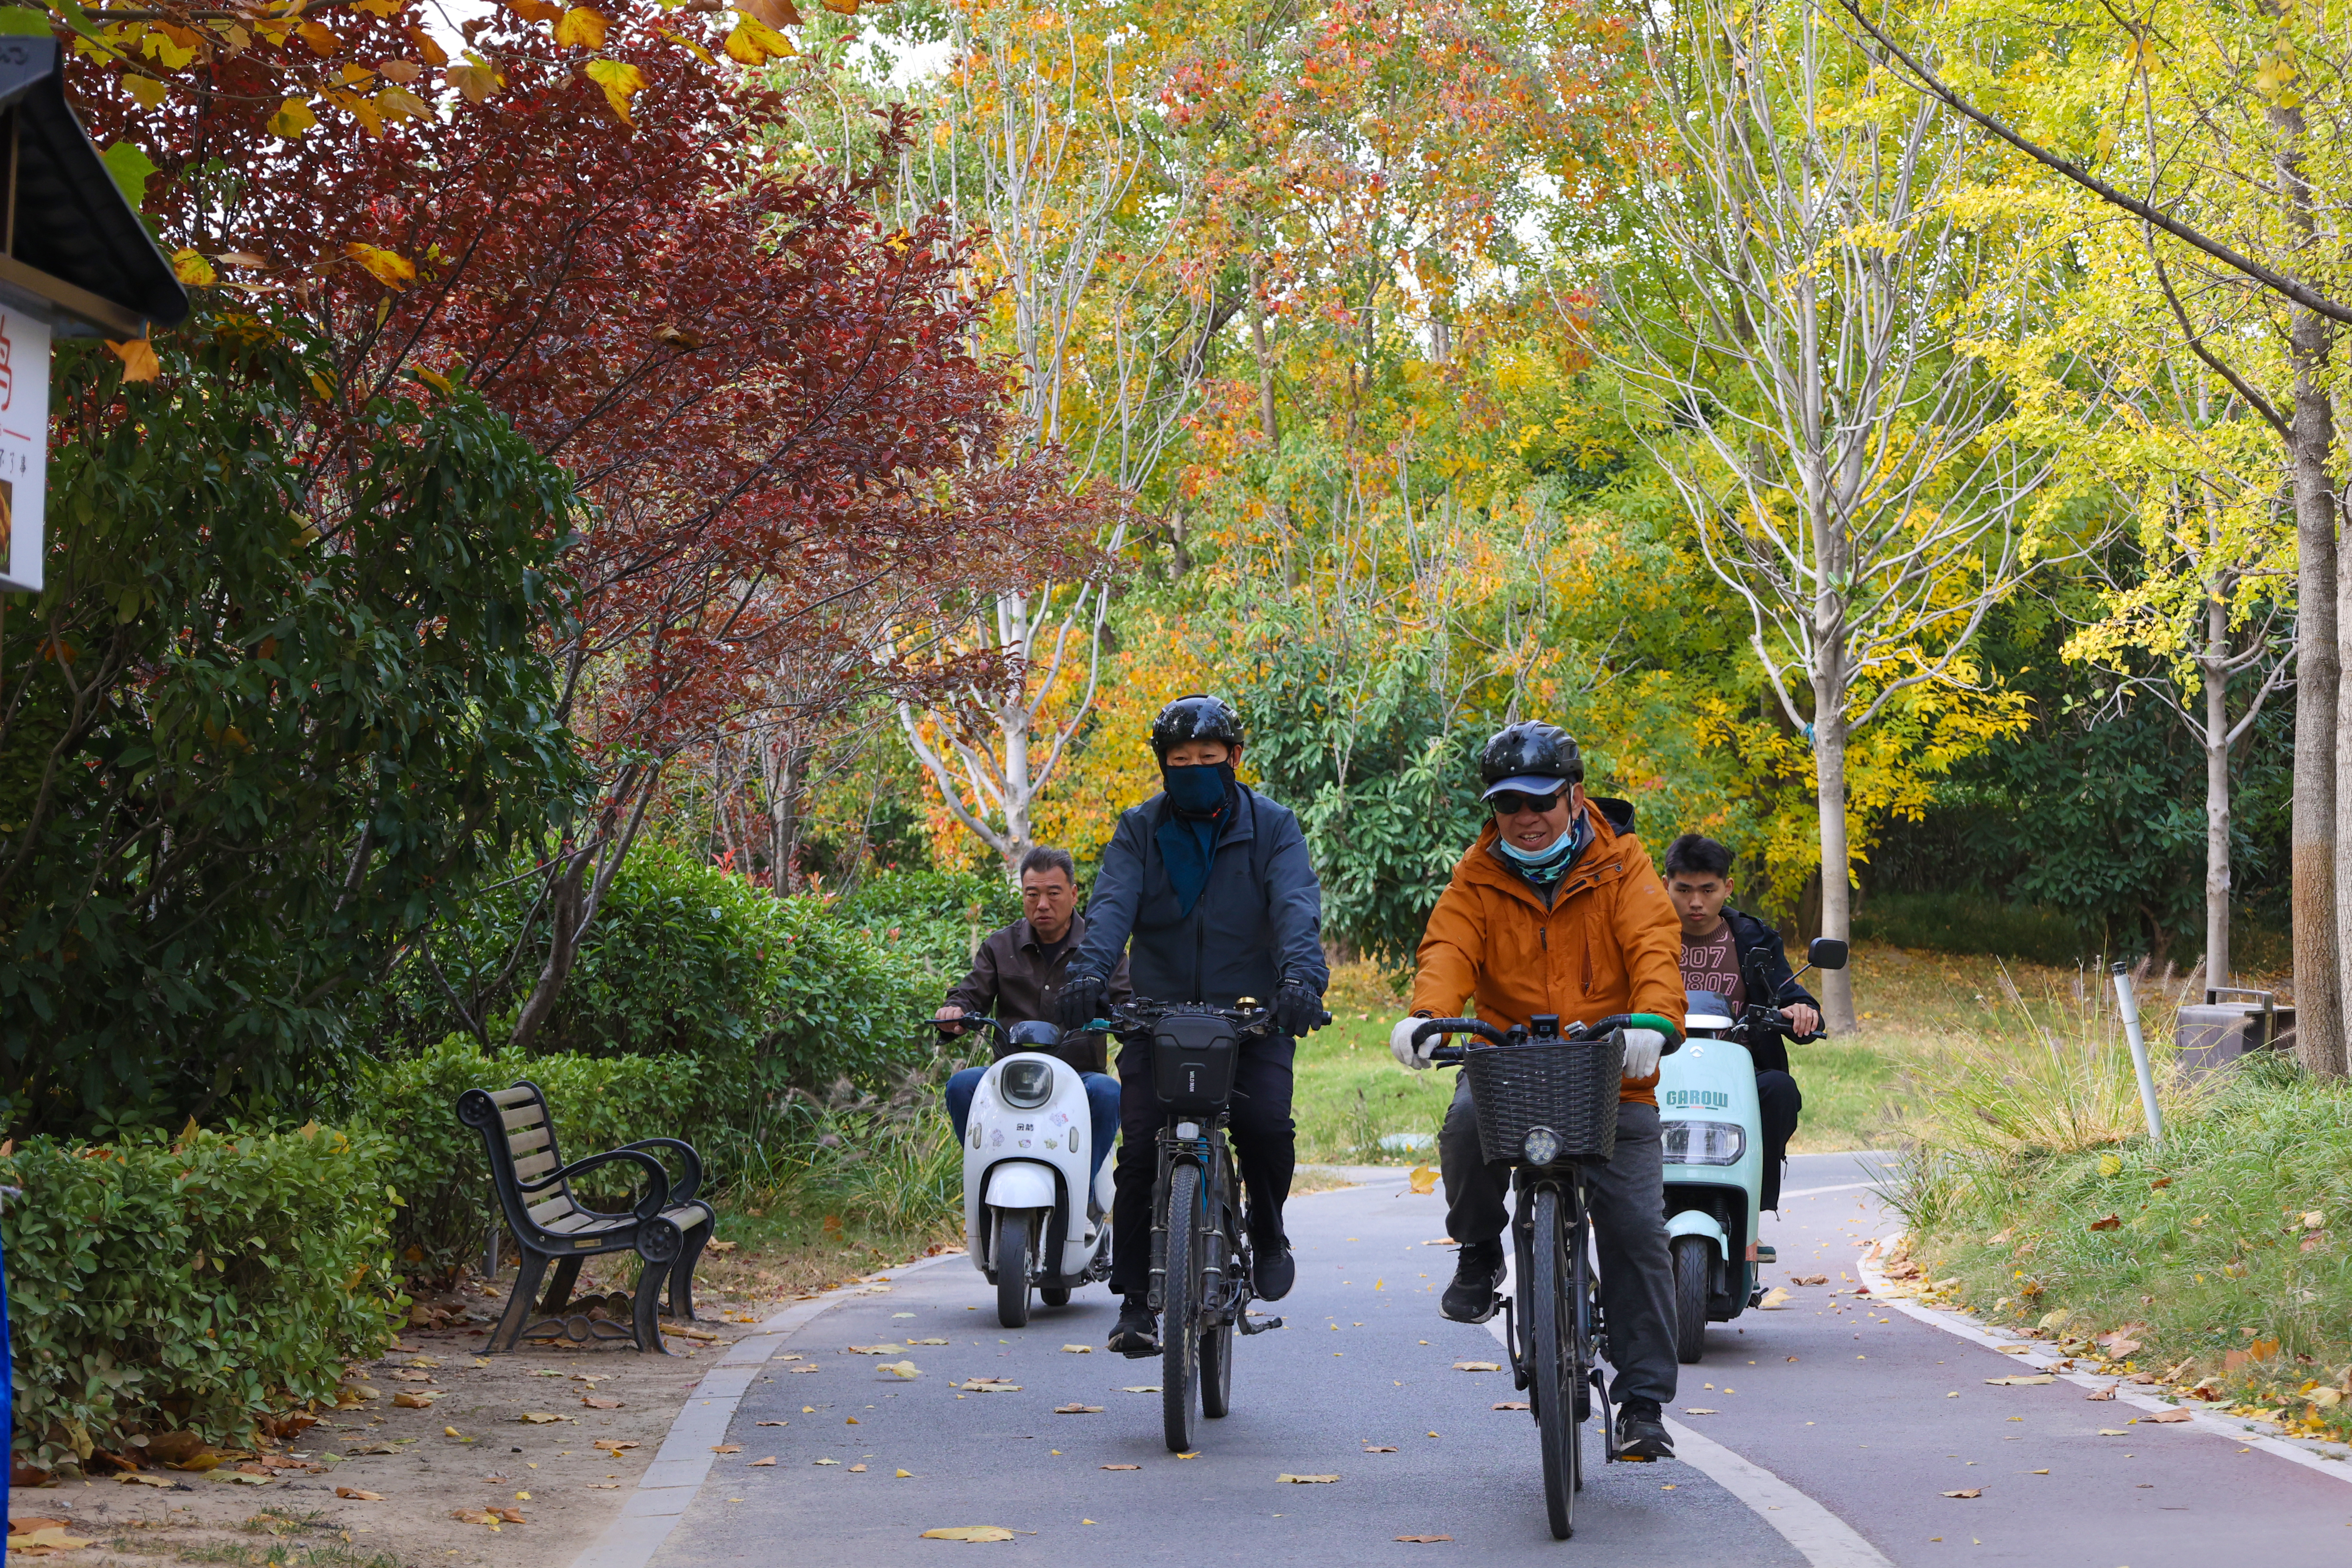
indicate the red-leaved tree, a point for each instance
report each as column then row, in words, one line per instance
column 788, row 450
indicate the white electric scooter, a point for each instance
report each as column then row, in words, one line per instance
column 1033, row 1216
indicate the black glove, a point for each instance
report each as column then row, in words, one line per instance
column 1083, row 1000
column 1296, row 1009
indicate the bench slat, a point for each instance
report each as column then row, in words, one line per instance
column 531, row 1115
column 537, row 1166
column 587, row 1223
column 685, row 1218
column 503, row 1098
column 523, row 1144
column 555, row 1208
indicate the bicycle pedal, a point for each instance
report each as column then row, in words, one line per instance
column 1259, row 1325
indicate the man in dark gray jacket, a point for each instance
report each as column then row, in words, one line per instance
column 1208, row 890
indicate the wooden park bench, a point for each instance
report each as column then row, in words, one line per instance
column 667, row 1227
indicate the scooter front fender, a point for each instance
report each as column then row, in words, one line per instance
column 1020, row 1184
column 1694, row 1222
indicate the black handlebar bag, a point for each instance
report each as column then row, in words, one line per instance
column 1194, row 1058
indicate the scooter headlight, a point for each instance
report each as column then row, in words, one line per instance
column 1026, row 1085
column 1542, row 1146
column 1704, row 1142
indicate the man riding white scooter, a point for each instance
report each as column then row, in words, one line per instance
column 1718, row 943
column 1016, row 977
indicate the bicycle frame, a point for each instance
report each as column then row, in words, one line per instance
column 1583, row 1308
column 1225, row 1262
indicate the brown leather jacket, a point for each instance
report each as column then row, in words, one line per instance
column 1016, row 978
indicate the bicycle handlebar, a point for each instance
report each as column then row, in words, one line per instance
column 1136, row 1016
column 1453, row 1054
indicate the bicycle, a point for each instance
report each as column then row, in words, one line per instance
column 1201, row 1265
column 1547, row 1104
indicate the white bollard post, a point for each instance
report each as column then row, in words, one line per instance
column 2130, row 1005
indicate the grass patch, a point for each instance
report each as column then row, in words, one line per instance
column 2221, row 1258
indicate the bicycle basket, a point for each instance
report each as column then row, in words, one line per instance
column 1568, row 1086
column 1193, row 1060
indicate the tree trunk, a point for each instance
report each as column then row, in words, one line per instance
column 1837, row 884
column 1279, row 513
column 2318, row 999
column 2216, row 788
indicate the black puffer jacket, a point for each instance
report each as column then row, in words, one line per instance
column 1257, row 924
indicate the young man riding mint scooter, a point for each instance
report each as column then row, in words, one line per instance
column 1555, row 910
column 1212, row 882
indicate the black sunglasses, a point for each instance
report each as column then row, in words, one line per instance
column 1511, row 802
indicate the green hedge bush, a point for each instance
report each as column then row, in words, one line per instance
column 436, row 1164
column 161, row 1286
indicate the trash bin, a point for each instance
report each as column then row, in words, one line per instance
column 2215, row 1033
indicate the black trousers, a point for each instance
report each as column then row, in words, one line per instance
column 1265, row 1146
column 1778, row 1100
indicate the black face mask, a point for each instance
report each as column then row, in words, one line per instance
column 1198, row 789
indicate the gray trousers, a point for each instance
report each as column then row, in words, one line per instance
column 1628, row 1201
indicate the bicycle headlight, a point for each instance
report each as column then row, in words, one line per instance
column 1704, row 1142
column 1542, row 1146
column 1026, row 1085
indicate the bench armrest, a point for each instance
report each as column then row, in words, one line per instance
column 687, row 1186
column 656, row 1197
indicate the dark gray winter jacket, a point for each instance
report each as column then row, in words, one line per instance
column 1258, row 924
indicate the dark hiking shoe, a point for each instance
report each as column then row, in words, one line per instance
column 1137, row 1332
column 1477, row 1274
column 1271, row 1270
column 1640, row 1433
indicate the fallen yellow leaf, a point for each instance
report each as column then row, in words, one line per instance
column 1307, row 1480
column 1774, row 1298
column 2023, row 1380
column 1423, row 1179
column 969, row 1533
column 358, row 1496
column 539, row 1418
column 1075, row 1350
column 1477, row 1366
column 1968, row 1491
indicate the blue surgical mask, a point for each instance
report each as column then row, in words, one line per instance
column 1199, row 788
column 1535, row 857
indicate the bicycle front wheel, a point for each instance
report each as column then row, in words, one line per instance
column 1551, row 1361
column 1180, row 1321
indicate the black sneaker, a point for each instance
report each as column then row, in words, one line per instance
column 1477, row 1274
column 1137, row 1332
column 1272, row 1268
column 1640, row 1433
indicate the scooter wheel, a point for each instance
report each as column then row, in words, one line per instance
column 1694, row 1261
column 1054, row 1295
column 1016, row 1249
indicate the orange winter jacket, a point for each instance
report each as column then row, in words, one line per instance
column 1609, row 943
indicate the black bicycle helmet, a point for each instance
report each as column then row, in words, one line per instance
column 1533, row 757
column 1194, row 718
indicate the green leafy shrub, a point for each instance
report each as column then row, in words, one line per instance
column 932, row 917
column 156, row 1286
column 308, row 710
column 1972, row 922
column 437, row 1162
column 687, row 958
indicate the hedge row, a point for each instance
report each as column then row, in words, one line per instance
column 191, row 1284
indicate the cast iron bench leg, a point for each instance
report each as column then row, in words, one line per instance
column 559, row 1289
column 681, row 1274
column 646, row 1320
column 528, row 1273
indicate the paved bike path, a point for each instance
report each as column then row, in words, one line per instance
column 1349, row 1372
column 1863, row 1420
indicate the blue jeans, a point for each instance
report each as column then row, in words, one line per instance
column 1102, row 1104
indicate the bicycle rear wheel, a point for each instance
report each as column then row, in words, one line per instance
column 1552, row 1370
column 1179, row 1332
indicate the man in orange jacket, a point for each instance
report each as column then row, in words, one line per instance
column 1555, row 910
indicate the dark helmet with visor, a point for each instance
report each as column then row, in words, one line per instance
column 1532, row 757
column 1194, row 718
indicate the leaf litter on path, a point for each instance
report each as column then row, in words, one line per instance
column 970, row 1532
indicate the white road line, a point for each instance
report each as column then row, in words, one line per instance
column 1826, row 1540
column 1815, row 1192
column 2328, row 1460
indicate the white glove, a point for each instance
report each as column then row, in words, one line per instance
column 1400, row 1044
column 1643, row 1048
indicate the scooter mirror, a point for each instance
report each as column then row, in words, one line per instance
column 1034, row 1032
column 1825, row 952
